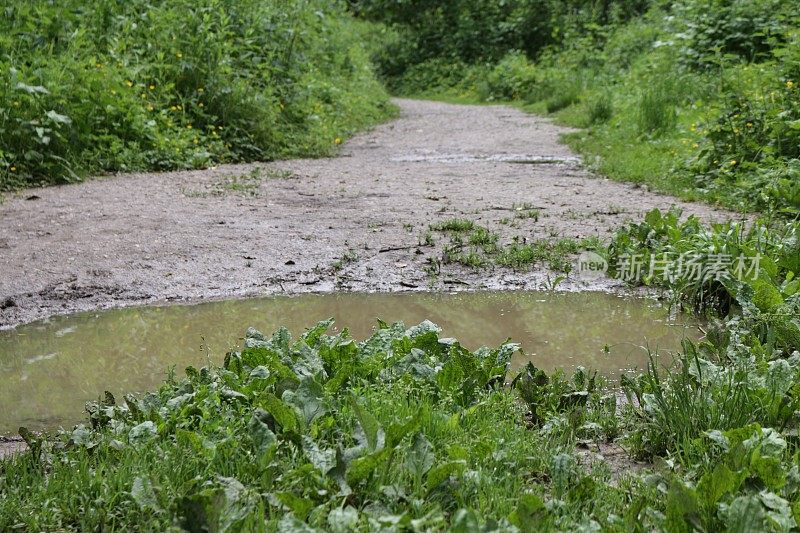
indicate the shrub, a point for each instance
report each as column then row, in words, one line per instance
column 95, row 86
column 709, row 29
column 513, row 78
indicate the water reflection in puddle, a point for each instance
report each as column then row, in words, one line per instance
column 49, row 369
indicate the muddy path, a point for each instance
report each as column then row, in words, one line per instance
column 353, row 222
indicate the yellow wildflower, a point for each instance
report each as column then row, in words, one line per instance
column 200, row 90
column 13, row 169
column 789, row 84
column 188, row 126
column 200, row 104
column 152, row 87
column 129, row 83
column 337, row 140
column 733, row 163
column 179, row 55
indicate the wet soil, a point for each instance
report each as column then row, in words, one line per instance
column 348, row 223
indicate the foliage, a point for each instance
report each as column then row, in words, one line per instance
column 403, row 429
column 410, row 431
column 482, row 31
column 99, row 86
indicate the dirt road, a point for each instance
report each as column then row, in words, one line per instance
column 352, row 222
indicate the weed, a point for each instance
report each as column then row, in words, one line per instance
column 279, row 174
column 456, row 225
column 656, row 113
column 556, row 253
column 349, row 257
column 600, row 109
column 484, row 238
column 244, row 184
column 526, row 210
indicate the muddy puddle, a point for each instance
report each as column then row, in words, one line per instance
column 49, row 369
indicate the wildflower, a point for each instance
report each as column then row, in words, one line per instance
column 150, row 108
column 200, row 90
column 789, row 84
column 173, row 108
column 733, row 163
column 200, row 104
column 152, row 87
column 749, row 124
column 179, row 55
column 99, row 65
column 337, row 140
column 188, row 126
column 144, row 95
column 129, row 83
column 13, row 169
column 695, row 145
column 113, row 92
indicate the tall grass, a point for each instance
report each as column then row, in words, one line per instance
column 656, row 109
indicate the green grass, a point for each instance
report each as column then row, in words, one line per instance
column 475, row 246
column 455, row 225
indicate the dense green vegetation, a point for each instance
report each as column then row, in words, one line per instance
column 697, row 98
column 93, row 86
column 406, row 431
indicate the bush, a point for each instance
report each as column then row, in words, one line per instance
column 513, row 78
column 92, row 86
column 747, row 29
